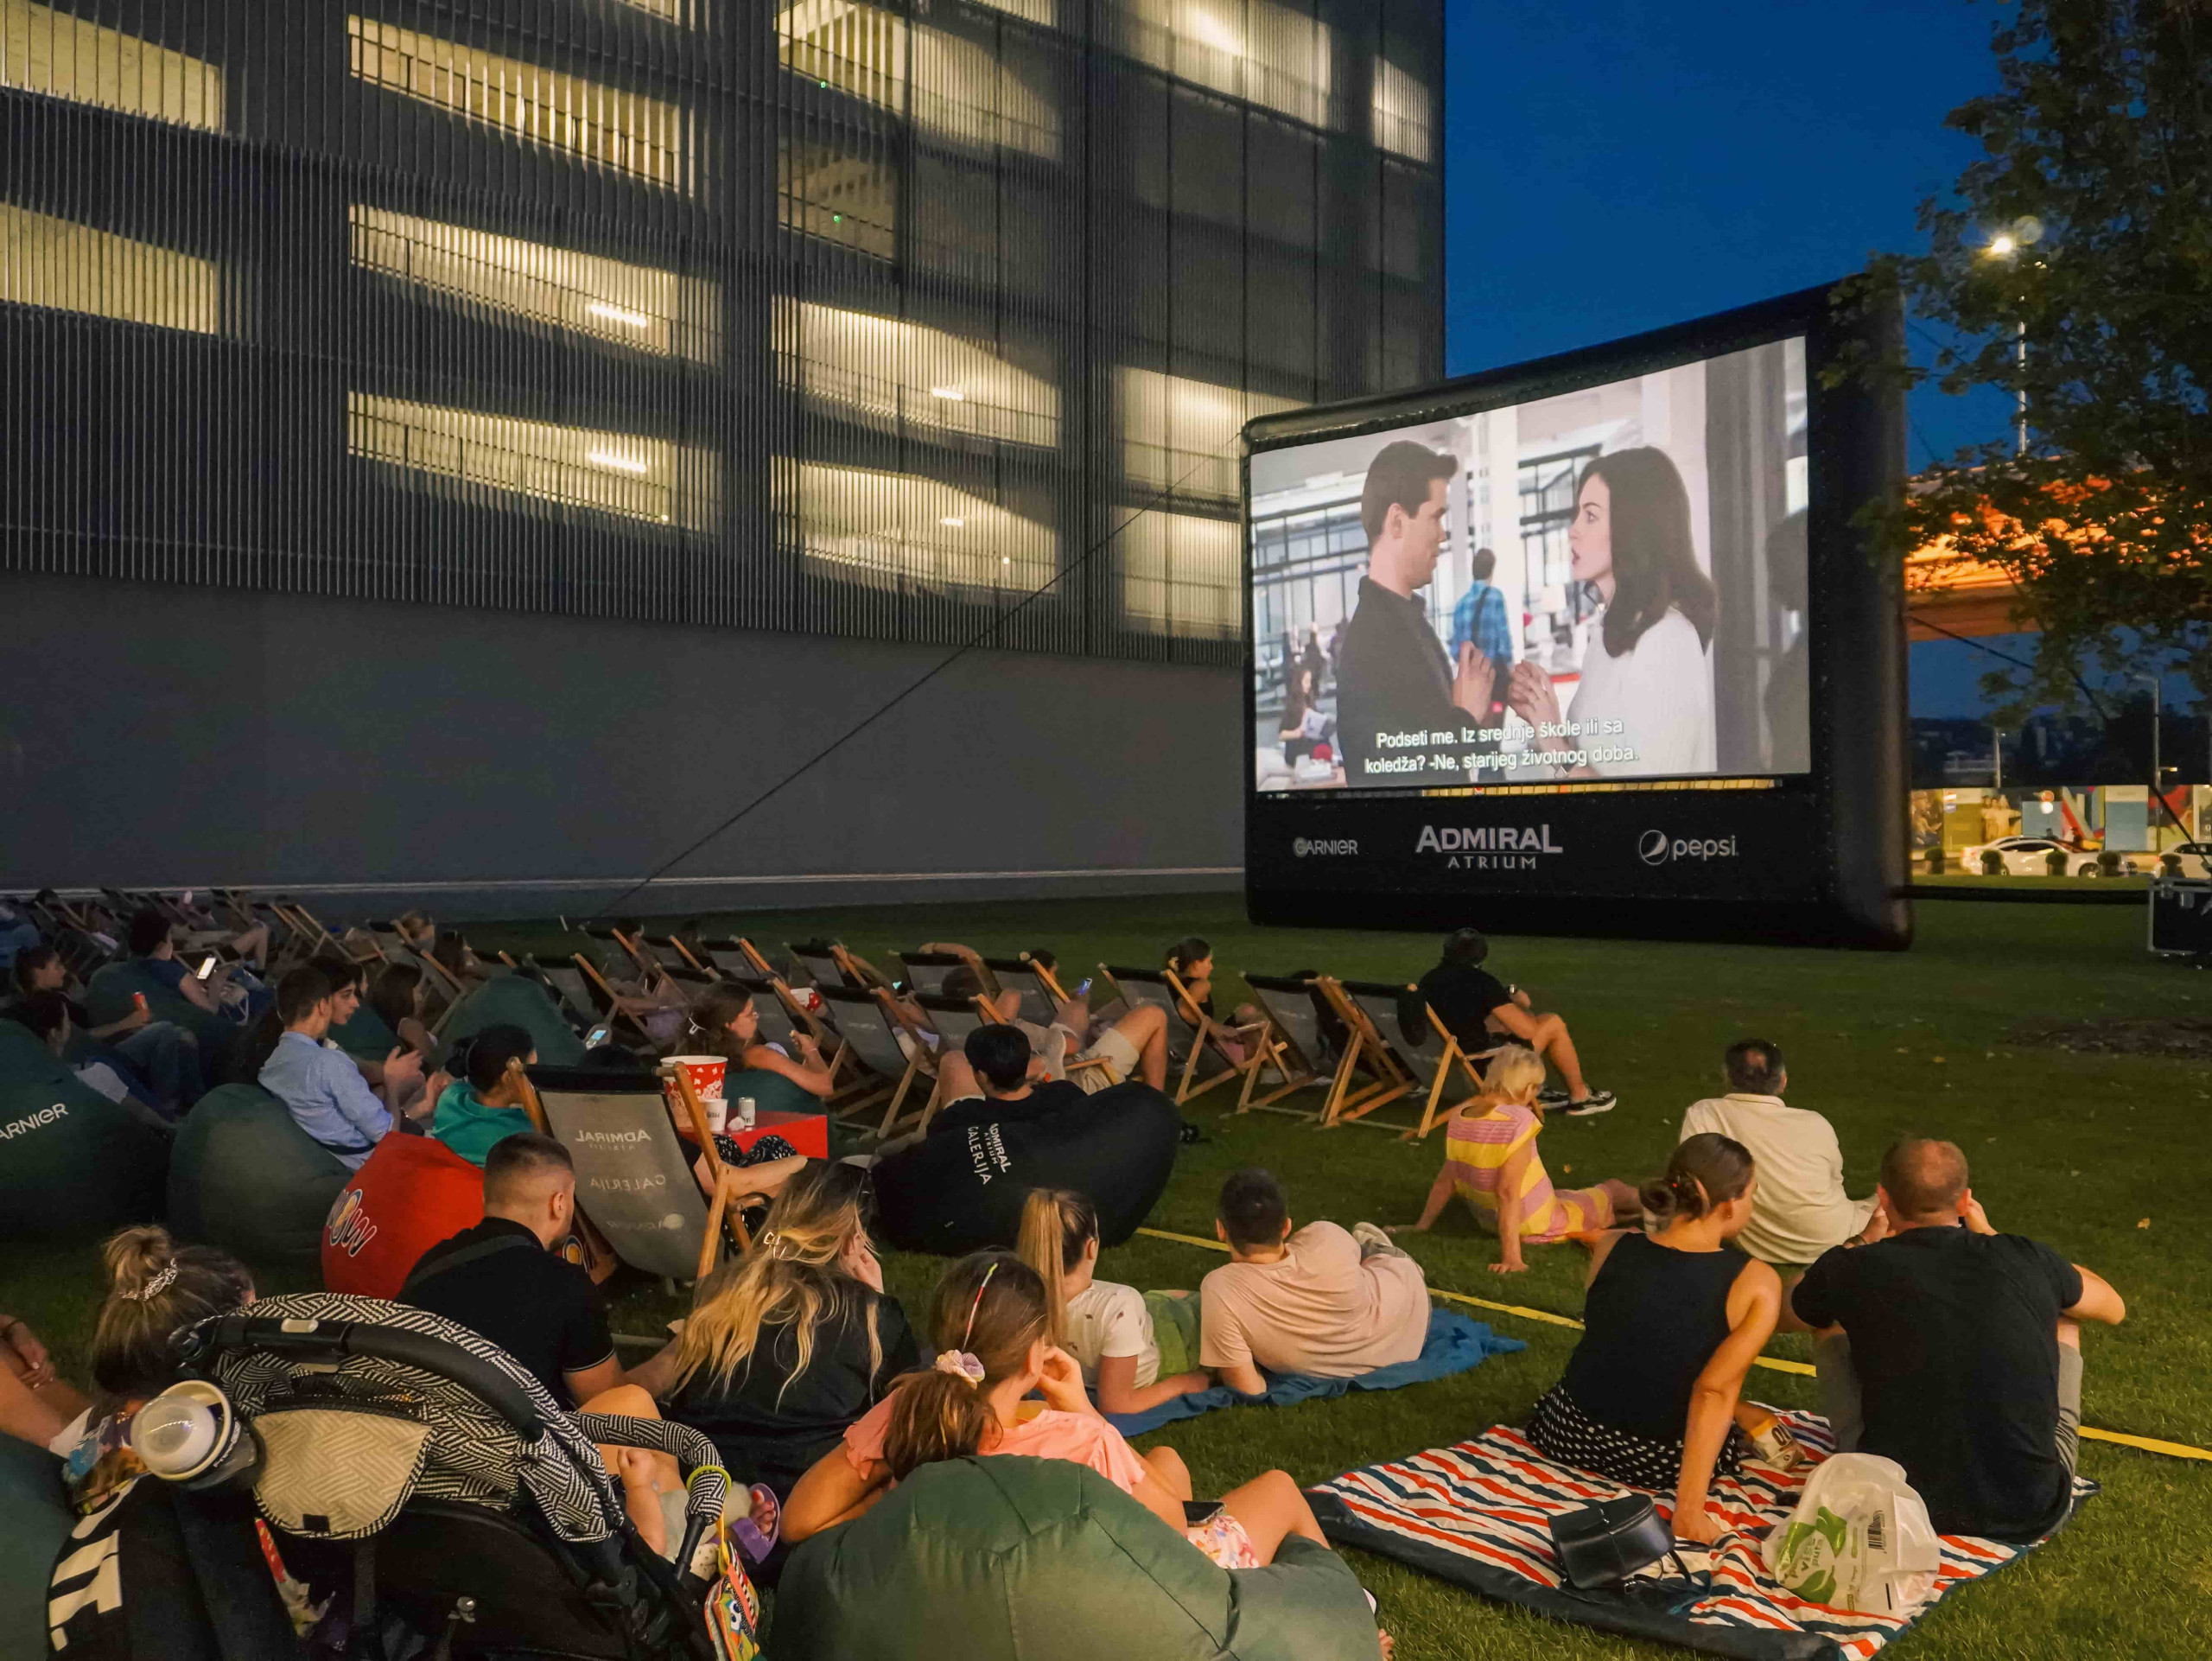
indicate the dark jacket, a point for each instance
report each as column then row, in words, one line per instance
column 1392, row 677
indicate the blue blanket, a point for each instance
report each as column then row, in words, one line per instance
column 1454, row 1344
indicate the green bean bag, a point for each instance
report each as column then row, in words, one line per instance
column 511, row 1000
column 245, row 1177
column 108, row 999
column 73, row 1164
column 24, row 1057
column 34, row 1521
column 1045, row 1560
column 366, row 1036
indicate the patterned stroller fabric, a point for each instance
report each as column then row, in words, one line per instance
column 472, row 1453
column 1479, row 1514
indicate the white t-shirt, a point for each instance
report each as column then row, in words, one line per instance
column 1107, row 1318
column 1661, row 690
column 1801, row 1209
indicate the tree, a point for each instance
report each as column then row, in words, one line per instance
column 2074, row 262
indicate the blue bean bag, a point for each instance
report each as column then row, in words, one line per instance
column 245, row 1177
column 73, row 1164
column 1045, row 1560
column 961, row 1187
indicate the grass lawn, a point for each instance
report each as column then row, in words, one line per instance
column 2081, row 1150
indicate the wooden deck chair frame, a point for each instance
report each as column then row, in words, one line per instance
column 723, row 1218
column 1043, row 998
column 600, row 1260
column 1207, row 1033
column 582, row 1017
column 610, row 1010
column 1363, row 1046
column 871, row 1083
column 1202, row 1033
column 316, row 932
column 939, row 964
column 1434, row 1111
column 817, row 959
column 1285, row 1055
column 648, row 966
column 933, row 1004
column 690, row 958
column 846, row 1077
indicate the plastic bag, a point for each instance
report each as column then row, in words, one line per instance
column 1859, row 1539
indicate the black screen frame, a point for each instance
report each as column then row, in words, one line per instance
column 1812, row 858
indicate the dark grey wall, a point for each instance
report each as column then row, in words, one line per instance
column 497, row 762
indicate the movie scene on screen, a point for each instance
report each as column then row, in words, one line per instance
column 1608, row 583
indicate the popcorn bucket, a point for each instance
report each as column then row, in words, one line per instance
column 706, row 1073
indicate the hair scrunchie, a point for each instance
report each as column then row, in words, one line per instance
column 960, row 1365
column 153, row 1287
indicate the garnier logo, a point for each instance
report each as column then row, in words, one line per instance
column 1316, row 845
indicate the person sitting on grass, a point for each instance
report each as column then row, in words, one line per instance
column 1490, row 1160
column 1672, row 1319
column 1802, row 1209
column 786, row 1347
column 1954, row 1350
column 993, row 1321
column 507, row 1281
column 1321, row 1300
column 325, row 1091
column 1133, row 1044
column 1476, row 1008
column 1135, row 1349
column 483, row 1107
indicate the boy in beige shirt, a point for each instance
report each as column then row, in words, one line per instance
column 1321, row 1300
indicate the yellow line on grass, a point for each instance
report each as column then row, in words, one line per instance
column 1774, row 1363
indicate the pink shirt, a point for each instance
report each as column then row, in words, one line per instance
column 1083, row 1437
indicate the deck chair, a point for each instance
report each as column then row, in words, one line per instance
column 735, row 955
column 954, row 1019
column 1356, row 1003
column 633, row 1172
column 688, row 983
column 560, row 977
column 309, row 928
column 82, row 954
column 1434, row 1063
column 602, row 997
column 817, row 963
column 443, row 989
column 925, row 971
column 1299, row 1051
column 629, row 954
column 1195, row 1039
column 1041, row 995
column 386, row 934
column 869, row 1026
column 672, row 952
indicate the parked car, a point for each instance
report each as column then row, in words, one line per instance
column 2196, row 859
column 2030, row 856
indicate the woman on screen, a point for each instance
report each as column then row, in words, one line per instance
column 1649, row 665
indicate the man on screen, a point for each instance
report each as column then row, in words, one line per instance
column 1395, row 685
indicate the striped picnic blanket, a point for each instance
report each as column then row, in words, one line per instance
column 1479, row 1514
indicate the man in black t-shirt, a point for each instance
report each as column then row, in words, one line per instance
column 1954, row 1350
column 997, row 1077
column 1476, row 1008
column 504, row 1279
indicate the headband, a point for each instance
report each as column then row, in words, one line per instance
column 153, row 1287
column 968, row 1331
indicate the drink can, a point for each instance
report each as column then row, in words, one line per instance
column 746, row 1112
column 139, row 1000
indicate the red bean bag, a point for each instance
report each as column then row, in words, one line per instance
column 410, row 1194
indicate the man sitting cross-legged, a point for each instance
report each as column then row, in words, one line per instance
column 1134, row 1044
column 1954, row 1350
column 1474, row 1005
column 1801, row 1209
column 1320, row 1301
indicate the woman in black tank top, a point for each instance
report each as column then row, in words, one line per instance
column 1671, row 1321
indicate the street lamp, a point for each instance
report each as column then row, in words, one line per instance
column 2157, row 772
column 2006, row 246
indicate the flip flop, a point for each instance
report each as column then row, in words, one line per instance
column 750, row 1539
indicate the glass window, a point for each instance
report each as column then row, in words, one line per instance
column 43, row 50
column 46, row 261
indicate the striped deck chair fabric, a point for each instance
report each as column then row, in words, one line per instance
column 1480, row 1514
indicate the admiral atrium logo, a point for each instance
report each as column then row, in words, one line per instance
column 1488, row 846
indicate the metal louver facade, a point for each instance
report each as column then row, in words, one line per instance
column 863, row 317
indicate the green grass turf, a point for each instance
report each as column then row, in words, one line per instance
column 2076, row 1149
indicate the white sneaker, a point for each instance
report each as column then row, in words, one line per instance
column 1554, row 1096
column 1372, row 1239
column 1598, row 1101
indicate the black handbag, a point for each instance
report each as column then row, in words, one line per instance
column 1603, row 1544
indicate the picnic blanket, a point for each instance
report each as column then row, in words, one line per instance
column 1454, row 1344
column 1479, row 1514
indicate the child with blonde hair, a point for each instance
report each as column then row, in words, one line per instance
column 1136, row 1349
column 1491, row 1162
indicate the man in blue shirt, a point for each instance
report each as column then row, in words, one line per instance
column 1479, row 617
column 328, row 1098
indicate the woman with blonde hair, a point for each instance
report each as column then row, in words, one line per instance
column 1491, row 1162
column 786, row 1347
column 1135, row 1349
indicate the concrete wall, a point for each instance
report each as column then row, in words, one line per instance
column 500, row 762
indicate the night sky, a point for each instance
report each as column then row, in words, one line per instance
column 1615, row 165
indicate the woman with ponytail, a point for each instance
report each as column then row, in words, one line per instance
column 1672, row 1319
column 786, row 1346
column 1135, row 1349
column 993, row 1323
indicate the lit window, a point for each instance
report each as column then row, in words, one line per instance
column 896, row 530
column 43, row 50
column 1401, row 112
column 635, row 306
column 852, row 199
column 1255, row 50
column 621, row 474
column 1181, row 574
column 1184, row 436
column 1030, row 11
column 887, row 373
column 70, row 267
column 639, row 136
column 674, row 11
column 961, row 90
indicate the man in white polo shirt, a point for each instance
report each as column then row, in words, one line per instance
column 1800, row 1209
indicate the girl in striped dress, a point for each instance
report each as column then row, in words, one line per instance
column 1490, row 1160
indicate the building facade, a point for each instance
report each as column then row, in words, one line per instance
column 922, row 322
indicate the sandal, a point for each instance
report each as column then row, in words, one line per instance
column 751, row 1539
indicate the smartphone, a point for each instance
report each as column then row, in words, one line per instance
column 206, row 966
column 1083, row 991
column 1196, row 1511
column 596, row 1036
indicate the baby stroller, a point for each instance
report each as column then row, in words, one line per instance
column 420, row 1477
